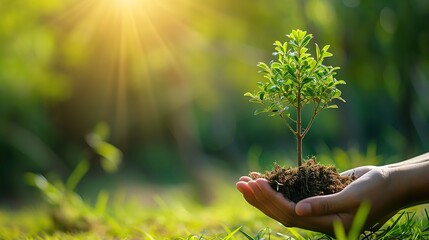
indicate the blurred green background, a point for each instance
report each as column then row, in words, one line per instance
column 168, row 77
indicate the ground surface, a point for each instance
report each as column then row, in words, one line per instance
column 157, row 212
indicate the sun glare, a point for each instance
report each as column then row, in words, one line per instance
column 131, row 39
column 127, row 4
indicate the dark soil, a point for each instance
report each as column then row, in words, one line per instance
column 308, row 180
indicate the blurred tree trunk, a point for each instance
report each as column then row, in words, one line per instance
column 184, row 128
column 406, row 54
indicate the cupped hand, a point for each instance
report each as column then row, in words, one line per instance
column 373, row 184
column 318, row 213
column 259, row 194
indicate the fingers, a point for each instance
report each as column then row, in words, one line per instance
column 359, row 171
column 243, row 187
column 250, row 191
column 284, row 210
column 320, row 205
column 323, row 205
column 245, row 179
column 274, row 197
column 259, row 194
column 280, row 207
column 265, row 199
column 349, row 172
column 253, row 174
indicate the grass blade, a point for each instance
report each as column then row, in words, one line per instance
column 295, row 233
column 77, row 175
column 102, row 199
column 247, row 235
column 339, row 231
column 359, row 220
column 231, row 234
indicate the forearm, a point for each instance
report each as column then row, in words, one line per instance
column 419, row 159
column 411, row 180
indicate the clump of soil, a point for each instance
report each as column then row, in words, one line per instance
column 308, row 180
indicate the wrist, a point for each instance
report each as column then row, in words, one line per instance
column 398, row 185
column 409, row 183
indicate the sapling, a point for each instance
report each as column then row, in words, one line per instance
column 294, row 80
column 297, row 82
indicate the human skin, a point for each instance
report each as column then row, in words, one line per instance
column 388, row 189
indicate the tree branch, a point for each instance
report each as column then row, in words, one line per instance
column 315, row 112
column 288, row 125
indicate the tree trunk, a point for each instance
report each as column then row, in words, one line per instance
column 299, row 150
column 298, row 128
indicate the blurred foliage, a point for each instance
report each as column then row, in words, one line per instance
column 68, row 211
column 111, row 157
column 171, row 214
column 168, row 75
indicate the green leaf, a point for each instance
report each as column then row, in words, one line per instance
column 306, row 40
column 296, row 58
column 325, row 48
column 301, row 34
column 111, row 157
column 277, row 43
column 293, row 43
column 310, row 91
column 284, row 47
column 337, row 93
column 259, row 111
column 337, row 82
column 317, row 51
column 333, row 69
column 273, row 88
column 325, row 52
column 50, row 192
column 317, row 83
column 275, row 65
column 248, row 94
column 102, row 130
column 80, row 170
column 263, row 66
column 306, row 80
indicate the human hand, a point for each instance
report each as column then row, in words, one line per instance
column 259, row 194
column 373, row 184
column 318, row 213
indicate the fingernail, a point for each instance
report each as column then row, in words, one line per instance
column 303, row 209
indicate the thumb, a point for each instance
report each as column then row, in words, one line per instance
column 319, row 205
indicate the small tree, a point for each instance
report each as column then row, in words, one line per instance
column 297, row 79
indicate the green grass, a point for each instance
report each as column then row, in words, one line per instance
column 160, row 213
column 165, row 214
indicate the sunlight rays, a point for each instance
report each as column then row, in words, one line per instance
column 119, row 33
column 127, row 4
column 135, row 47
